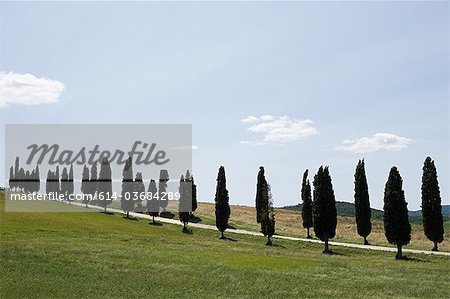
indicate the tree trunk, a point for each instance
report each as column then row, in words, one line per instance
column 326, row 249
column 308, row 236
column 86, row 205
column 153, row 219
column 399, row 254
column 221, row 235
column 435, row 248
column 269, row 241
column 128, row 214
column 365, row 241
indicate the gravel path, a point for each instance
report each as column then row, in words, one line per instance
column 253, row 233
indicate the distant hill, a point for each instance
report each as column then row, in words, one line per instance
column 418, row 213
column 347, row 209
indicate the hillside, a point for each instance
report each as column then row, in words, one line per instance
column 97, row 255
column 344, row 209
column 347, row 209
column 418, row 213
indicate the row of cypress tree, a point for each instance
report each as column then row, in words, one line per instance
column 320, row 213
column 25, row 181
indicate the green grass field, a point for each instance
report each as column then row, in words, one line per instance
column 62, row 255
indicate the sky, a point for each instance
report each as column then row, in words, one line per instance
column 289, row 86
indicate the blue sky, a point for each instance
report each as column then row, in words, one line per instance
column 311, row 75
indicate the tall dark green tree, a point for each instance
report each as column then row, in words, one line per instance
column 194, row 195
column 152, row 201
column 362, row 204
column 48, row 182
column 93, row 182
column 268, row 217
column 37, row 180
column 185, row 201
column 64, row 183
column 16, row 172
column 396, row 223
column 11, row 178
column 222, row 203
column 162, row 189
column 139, row 192
column 57, row 181
column 324, row 207
column 85, row 185
column 104, row 184
column 307, row 213
column 433, row 223
column 190, row 178
column 127, row 202
column 261, row 194
column 70, row 183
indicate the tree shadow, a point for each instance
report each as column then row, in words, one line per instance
column 194, row 219
column 414, row 259
column 107, row 212
column 276, row 245
column 130, row 218
column 156, row 223
column 167, row 214
column 331, row 252
column 228, row 239
column 187, row 231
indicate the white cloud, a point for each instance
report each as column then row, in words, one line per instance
column 27, row 89
column 278, row 129
column 378, row 142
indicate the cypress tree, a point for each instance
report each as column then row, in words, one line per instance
column 153, row 202
column 396, row 223
column 139, row 191
column 362, row 204
column 11, row 178
column 70, row 187
column 162, row 187
column 22, row 178
column 433, row 223
column 27, row 182
column 57, row 182
column 268, row 217
column 93, row 183
column 261, row 195
column 104, row 184
column 324, row 207
column 127, row 202
column 37, row 179
column 64, row 183
column 190, row 178
column 194, row 195
column 184, row 202
column 307, row 214
column 48, row 182
column 222, row 203
column 85, row 185
column 16, row 173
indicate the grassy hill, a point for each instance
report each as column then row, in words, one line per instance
column 347, row 209
column 95, row 255
column 418, row 213
column 344, row 209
